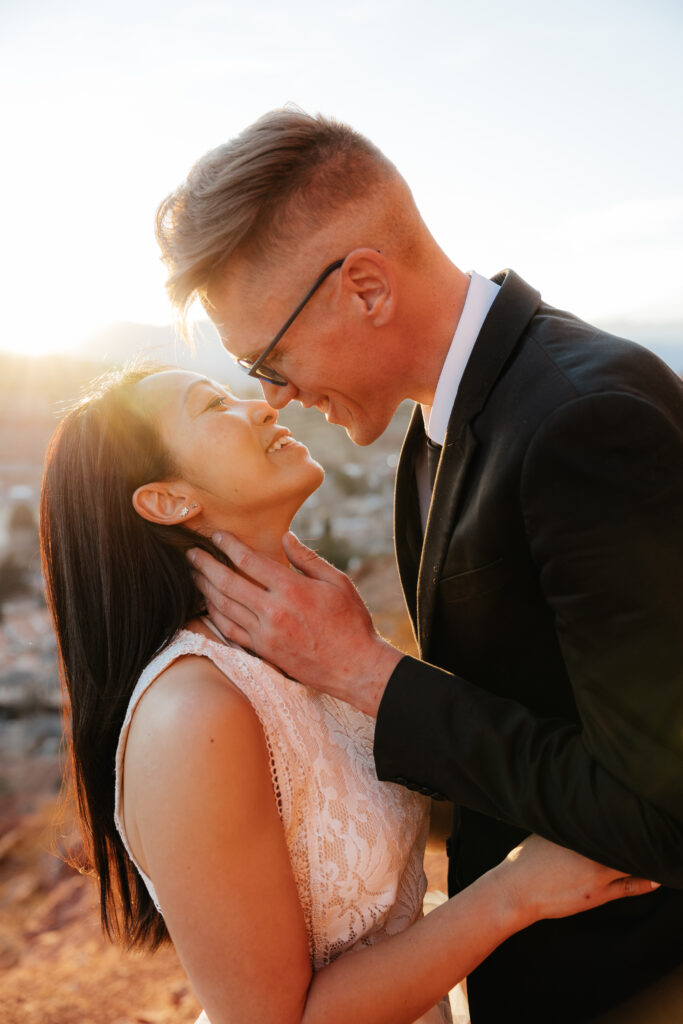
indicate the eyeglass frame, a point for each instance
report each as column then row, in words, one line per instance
column 254, row 367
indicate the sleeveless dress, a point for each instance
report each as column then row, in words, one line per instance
column 355, row 844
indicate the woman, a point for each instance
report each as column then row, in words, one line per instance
column 246, row 810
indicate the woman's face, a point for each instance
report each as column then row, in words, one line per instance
column 237, row 461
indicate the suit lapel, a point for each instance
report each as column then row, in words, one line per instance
column 510, row 314
column 407, row 525
column 458, row 450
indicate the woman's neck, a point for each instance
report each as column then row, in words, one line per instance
column 270, row 545
column 266, row 538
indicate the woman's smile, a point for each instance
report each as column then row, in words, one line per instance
column 283, row 440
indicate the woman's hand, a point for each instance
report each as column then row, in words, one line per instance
column 543, row 880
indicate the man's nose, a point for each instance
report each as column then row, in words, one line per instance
column 278, row 397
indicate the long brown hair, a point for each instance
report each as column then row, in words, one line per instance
column 118, row 589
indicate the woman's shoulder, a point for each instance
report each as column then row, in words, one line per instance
column 189, row 734
column 189, row 697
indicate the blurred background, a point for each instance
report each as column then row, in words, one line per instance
column 541, row 137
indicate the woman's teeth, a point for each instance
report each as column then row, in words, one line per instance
column 282, row 442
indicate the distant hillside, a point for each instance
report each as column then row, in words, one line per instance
column 121, row 341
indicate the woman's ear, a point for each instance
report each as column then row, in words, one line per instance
column 162, row 503
column 368, row 275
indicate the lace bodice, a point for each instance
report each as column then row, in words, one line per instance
column 356, row 844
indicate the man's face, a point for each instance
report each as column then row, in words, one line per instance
column 330, row 356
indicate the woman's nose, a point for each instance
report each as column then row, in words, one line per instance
column 261, row 412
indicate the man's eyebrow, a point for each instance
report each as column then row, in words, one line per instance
column 224, row 338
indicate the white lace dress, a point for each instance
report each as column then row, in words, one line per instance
column 356, row 844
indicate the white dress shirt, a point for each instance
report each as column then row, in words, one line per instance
column 478, row 301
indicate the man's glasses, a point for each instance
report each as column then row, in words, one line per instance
column 257, row 367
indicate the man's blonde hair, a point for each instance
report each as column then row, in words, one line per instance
column 261, row 195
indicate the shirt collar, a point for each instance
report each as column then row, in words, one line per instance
column 478, row 301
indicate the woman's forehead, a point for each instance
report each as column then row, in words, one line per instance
column 158, row 389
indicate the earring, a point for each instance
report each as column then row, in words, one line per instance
column 186, row 511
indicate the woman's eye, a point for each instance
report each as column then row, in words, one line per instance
column 218, row 402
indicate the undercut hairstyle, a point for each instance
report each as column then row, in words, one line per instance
column 118, row 589
column 260, row 195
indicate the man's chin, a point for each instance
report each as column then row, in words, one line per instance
column 364, row 434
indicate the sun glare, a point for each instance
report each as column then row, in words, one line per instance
column 61, row 323
column 25, row 334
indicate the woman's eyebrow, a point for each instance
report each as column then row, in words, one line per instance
column 207, row 383
column 195, row 384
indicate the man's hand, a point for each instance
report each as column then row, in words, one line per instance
column 311, row 624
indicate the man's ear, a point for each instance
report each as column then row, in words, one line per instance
column 367, row 274
column 165, row 504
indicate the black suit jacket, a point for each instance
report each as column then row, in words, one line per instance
column 550, row 588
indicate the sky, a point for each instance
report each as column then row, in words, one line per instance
column 540, row 136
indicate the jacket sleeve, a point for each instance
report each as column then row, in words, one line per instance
column 602, row 499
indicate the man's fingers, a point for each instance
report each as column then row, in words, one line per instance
column 229, row 606
column 224, row 579
column 257, row 567
column 308, row 561
column 229, row 629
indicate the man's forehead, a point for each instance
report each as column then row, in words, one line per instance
column 227, row 301
column 242, row 313
column 239, row 282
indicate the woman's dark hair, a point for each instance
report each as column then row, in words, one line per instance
column 118, row 589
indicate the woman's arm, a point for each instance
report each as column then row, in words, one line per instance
column 198, row 792
column 201, row 817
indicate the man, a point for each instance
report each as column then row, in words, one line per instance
column 539, row 503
